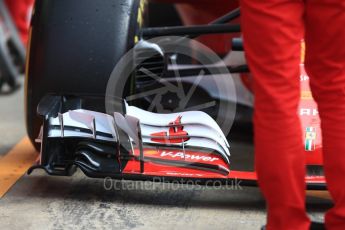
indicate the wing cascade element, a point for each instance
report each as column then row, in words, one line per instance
column 101, row 144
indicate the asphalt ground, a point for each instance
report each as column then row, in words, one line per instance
column 39, row 201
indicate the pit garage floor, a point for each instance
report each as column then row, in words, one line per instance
column 42, row 202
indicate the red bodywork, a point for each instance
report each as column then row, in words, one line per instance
column 154, row 169
column 195, row 12
column 174, row 131
column 159, row 161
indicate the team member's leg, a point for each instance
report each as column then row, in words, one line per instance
column 21, row 13
column 325, row 63
column 273, row 30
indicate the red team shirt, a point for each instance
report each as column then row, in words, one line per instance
column 21, row 12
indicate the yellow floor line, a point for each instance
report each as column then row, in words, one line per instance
column 15, row 164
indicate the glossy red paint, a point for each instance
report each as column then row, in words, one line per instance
column 154, row 169
column 172, row 135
